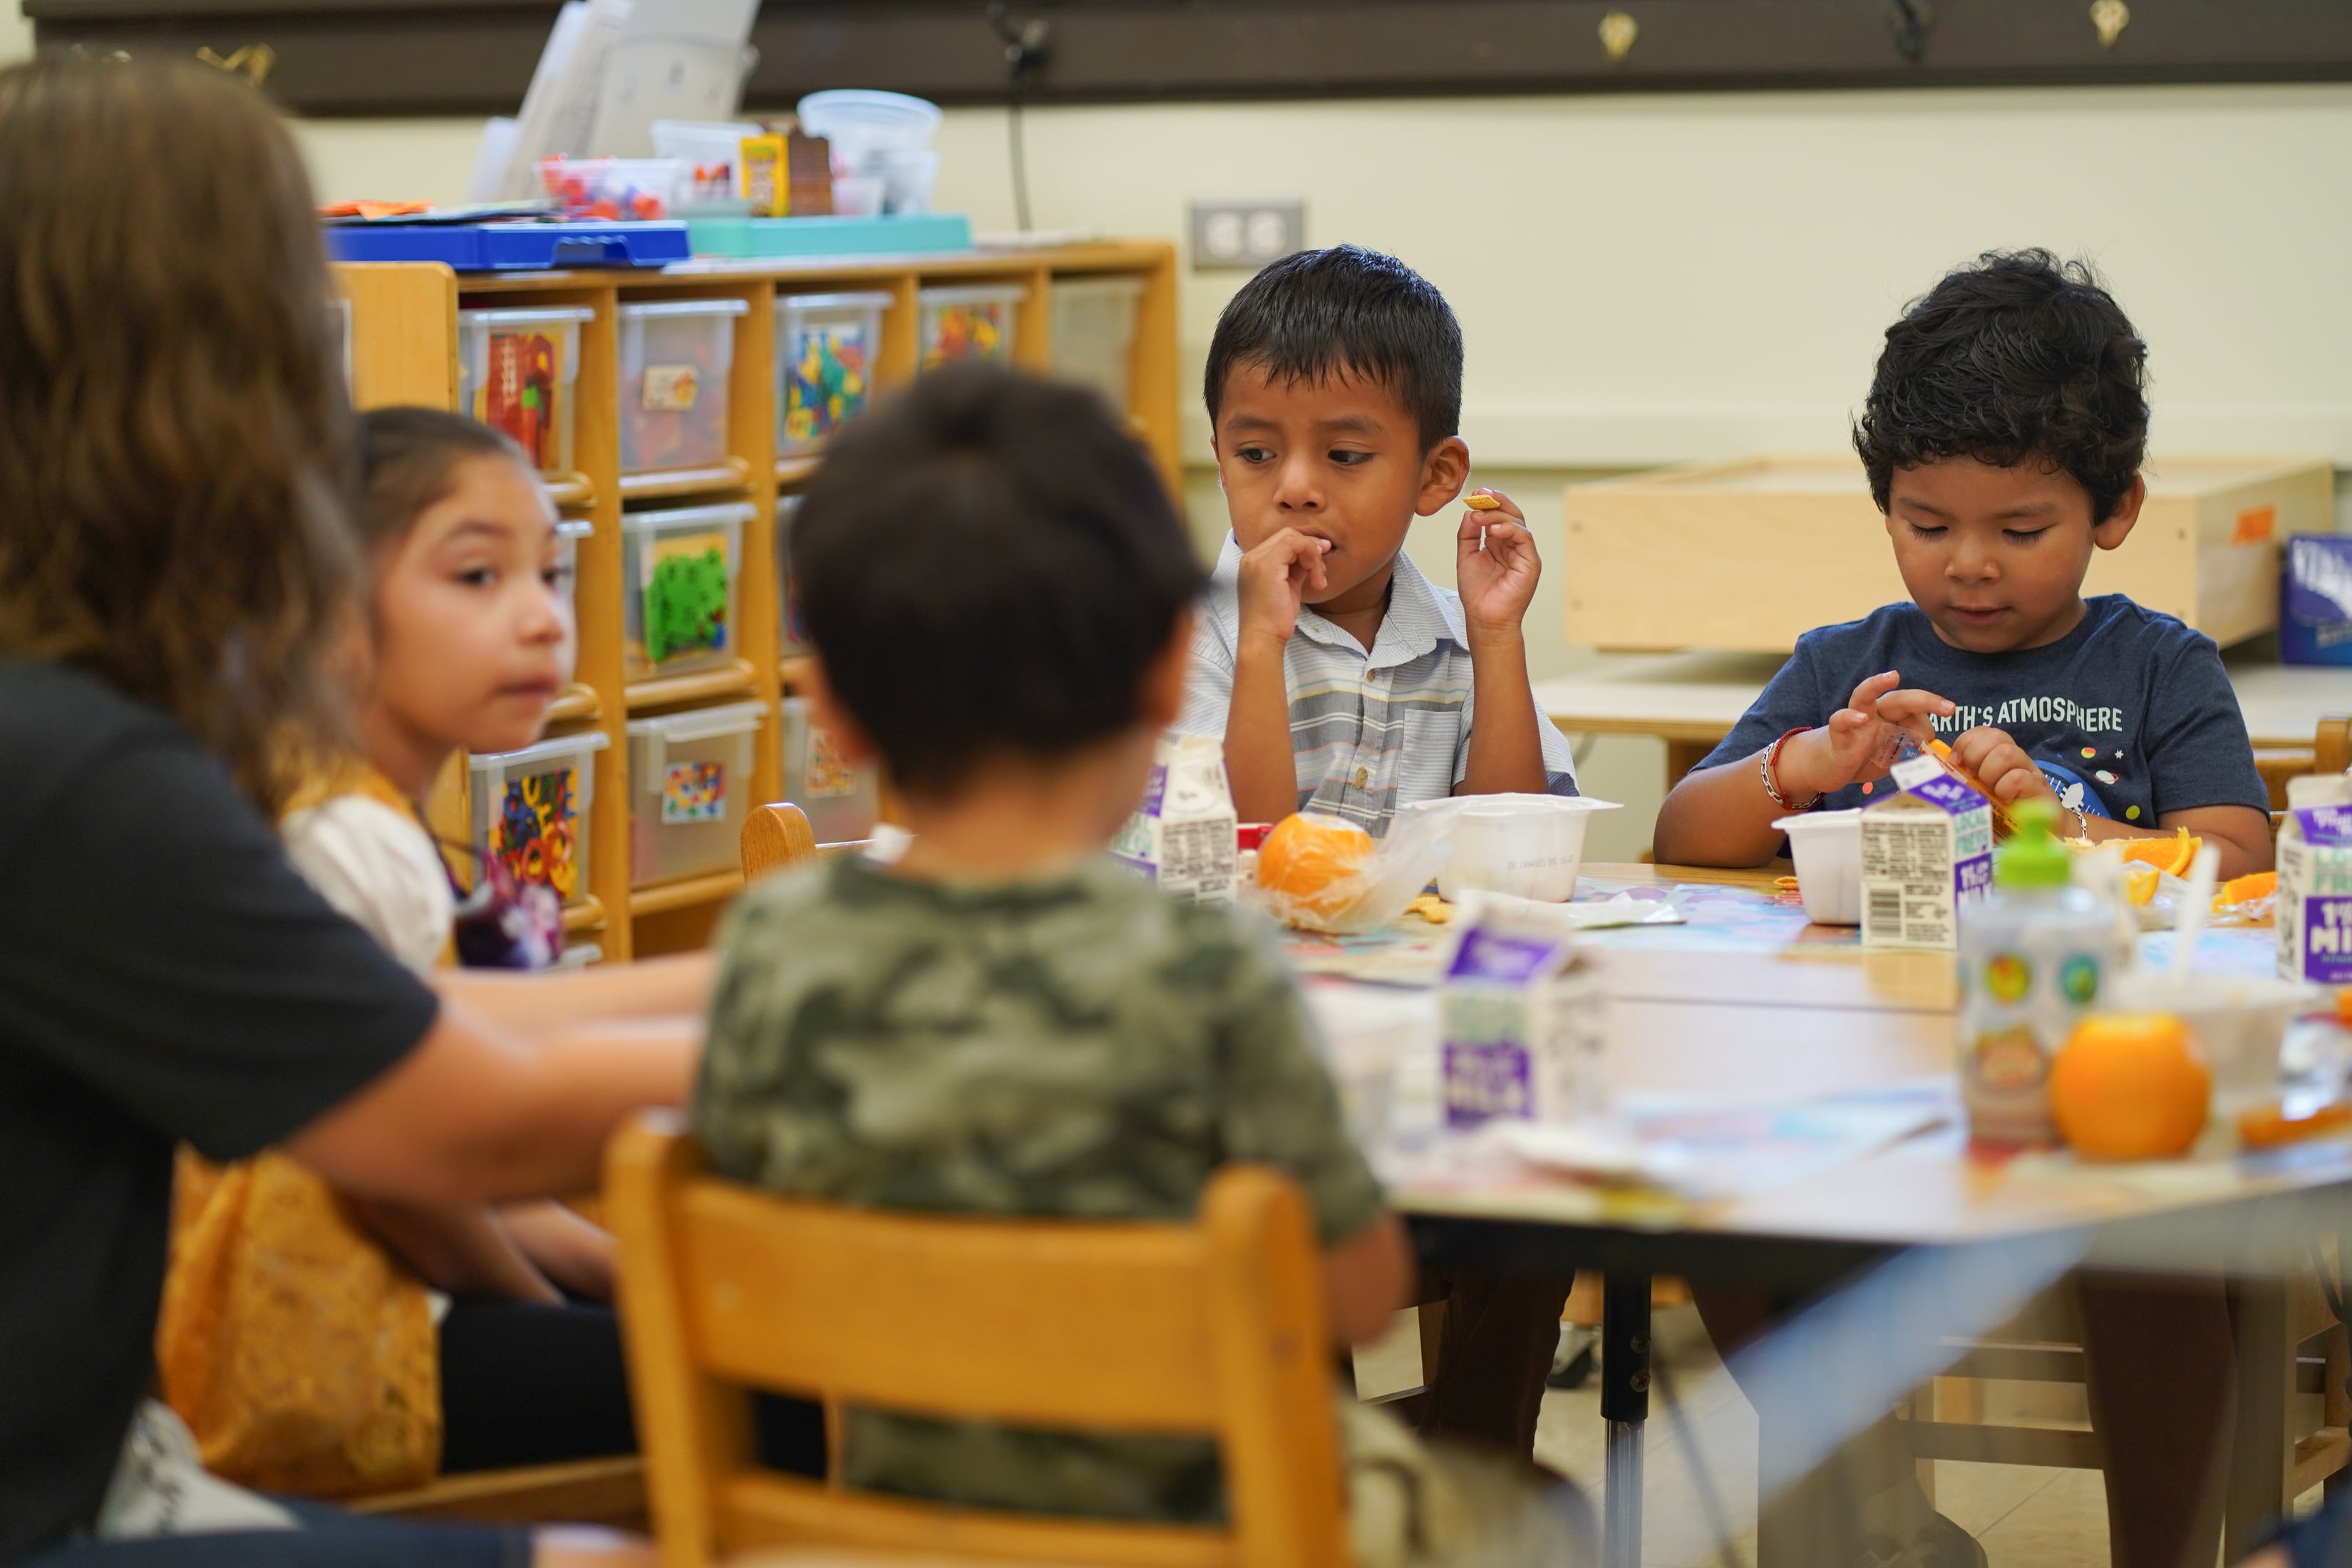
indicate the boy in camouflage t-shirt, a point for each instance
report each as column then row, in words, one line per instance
column 1001, row 1021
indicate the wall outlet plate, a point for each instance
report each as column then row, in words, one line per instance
column 1246, row 235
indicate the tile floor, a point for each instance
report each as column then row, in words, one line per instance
column 2026, row 1517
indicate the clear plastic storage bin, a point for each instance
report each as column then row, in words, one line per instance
column 1094, row 333
column 675, row 356
column 826, row 346
column 515, row 371
column 678, row 587
column 569, row 532
column 841, row 800
column 691, row 775
column 530, row 809
column 969, row 322
column 793, row 629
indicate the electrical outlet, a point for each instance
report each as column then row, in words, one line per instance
column 1247, row 233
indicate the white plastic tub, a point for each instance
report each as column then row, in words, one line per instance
column 1093, row 335
column 1827, row 848
column 680, row 569
column 675, row 356
column 827, row 348
column 569, row 532
column 515, row 373
column 842, row 800
column 711, row 151
column 1370, row 1033
column 864, row 126
column 972, row 320
column 2239, row 1020
column 1529, row 846
column 529, row 809
column 690, row 777
column 792, row 630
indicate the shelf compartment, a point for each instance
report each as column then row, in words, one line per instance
column 686, row 893
column 732, row 680
column 734, row 473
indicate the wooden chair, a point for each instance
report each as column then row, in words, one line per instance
column 778, row 834
column 2331, row 752
column 1216, row 1328
column 583, row 1492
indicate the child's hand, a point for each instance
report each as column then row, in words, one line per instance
column 1496, row 582
column 2001, row 764
column 1861, row 739
column 1274, row 579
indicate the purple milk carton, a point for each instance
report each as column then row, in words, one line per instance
column 2314, row 883
column 1927, row 854
column 1524, row 1019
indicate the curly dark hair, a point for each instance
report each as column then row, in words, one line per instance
column 2020, row 358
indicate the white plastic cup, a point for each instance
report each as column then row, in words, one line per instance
column 1366, row 1032
column 1827, row 846
column 1529, row 846
column 907, row 177
column 2239, row 1021
column 858, row 195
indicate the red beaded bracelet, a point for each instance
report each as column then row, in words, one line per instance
column 1767, row 765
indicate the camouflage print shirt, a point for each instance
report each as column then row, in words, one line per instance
column 1080, row 1046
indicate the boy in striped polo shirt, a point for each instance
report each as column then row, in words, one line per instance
column 1339, row 677
column 1342, row 680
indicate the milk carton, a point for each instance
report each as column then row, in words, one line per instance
column 1182, row 833
column 1927, row 854
column 2314, row 881
column 1523, row 1021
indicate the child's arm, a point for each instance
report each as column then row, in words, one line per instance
column 2241, row 832
column 675, row 986
column 463, row 1251
column 562, row 1246
column 1723, row 815
column 1365, row 1278
column 1259, row 763
column 1496, row 584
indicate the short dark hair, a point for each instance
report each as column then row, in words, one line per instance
column 988, row 562
column 2018, row 358
column 1346, row 310
column 408, row 460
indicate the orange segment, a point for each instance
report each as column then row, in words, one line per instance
column 2129, row 1086
column 2267, row 1126
column 2245, row 889
column 2171, row 855
column 2140, row 885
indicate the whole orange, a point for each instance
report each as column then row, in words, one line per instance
column 2130, row 1085
column 1304, row 858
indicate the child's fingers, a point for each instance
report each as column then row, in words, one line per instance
column 1866, row 695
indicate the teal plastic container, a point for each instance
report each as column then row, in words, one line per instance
column 926, row 234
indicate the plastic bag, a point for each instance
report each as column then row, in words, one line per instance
column 1376, row 893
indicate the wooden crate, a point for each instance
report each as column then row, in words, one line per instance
column 1748, row 555
column 404, row 349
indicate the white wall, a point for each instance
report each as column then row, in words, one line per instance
column 15, row 33
column 1653, row 280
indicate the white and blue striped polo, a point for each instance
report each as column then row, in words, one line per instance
column 1372, row 732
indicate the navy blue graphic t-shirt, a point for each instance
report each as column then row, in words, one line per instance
column 2131, row 715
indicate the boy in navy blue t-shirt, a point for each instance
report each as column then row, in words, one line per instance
column 2004, row 437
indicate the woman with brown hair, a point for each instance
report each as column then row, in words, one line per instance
column 174, row 567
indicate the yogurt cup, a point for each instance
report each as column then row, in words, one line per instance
column 1529, row 846
column 1827, row 846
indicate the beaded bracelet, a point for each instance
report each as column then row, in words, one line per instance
column 1766, row 764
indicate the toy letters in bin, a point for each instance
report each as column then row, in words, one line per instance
column 1094, row 333
column 969, row 322
column 691, row 774
column 842, row 800
column 529, row 810
column 515, row 373
column 675, row 356
column 678, row 572
column 826, row 347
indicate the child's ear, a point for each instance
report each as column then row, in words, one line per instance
column 849, row 737
column 1442, row 475
column 1163, row 678
column 2118, row 524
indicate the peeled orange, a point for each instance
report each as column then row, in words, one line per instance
column 2130, row 1085
column 2245, row 889
column 2172, row 855
column 1307, row 859
column 2140, row 885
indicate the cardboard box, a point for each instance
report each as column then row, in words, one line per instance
column 1749, row 555
column 1927, row 853
column 1524, row 1019
column 1182, row 834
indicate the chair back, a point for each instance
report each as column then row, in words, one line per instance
column 1214, row 1329
column 774, row 837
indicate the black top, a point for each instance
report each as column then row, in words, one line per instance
column 2131, row 715
column 164, row 975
